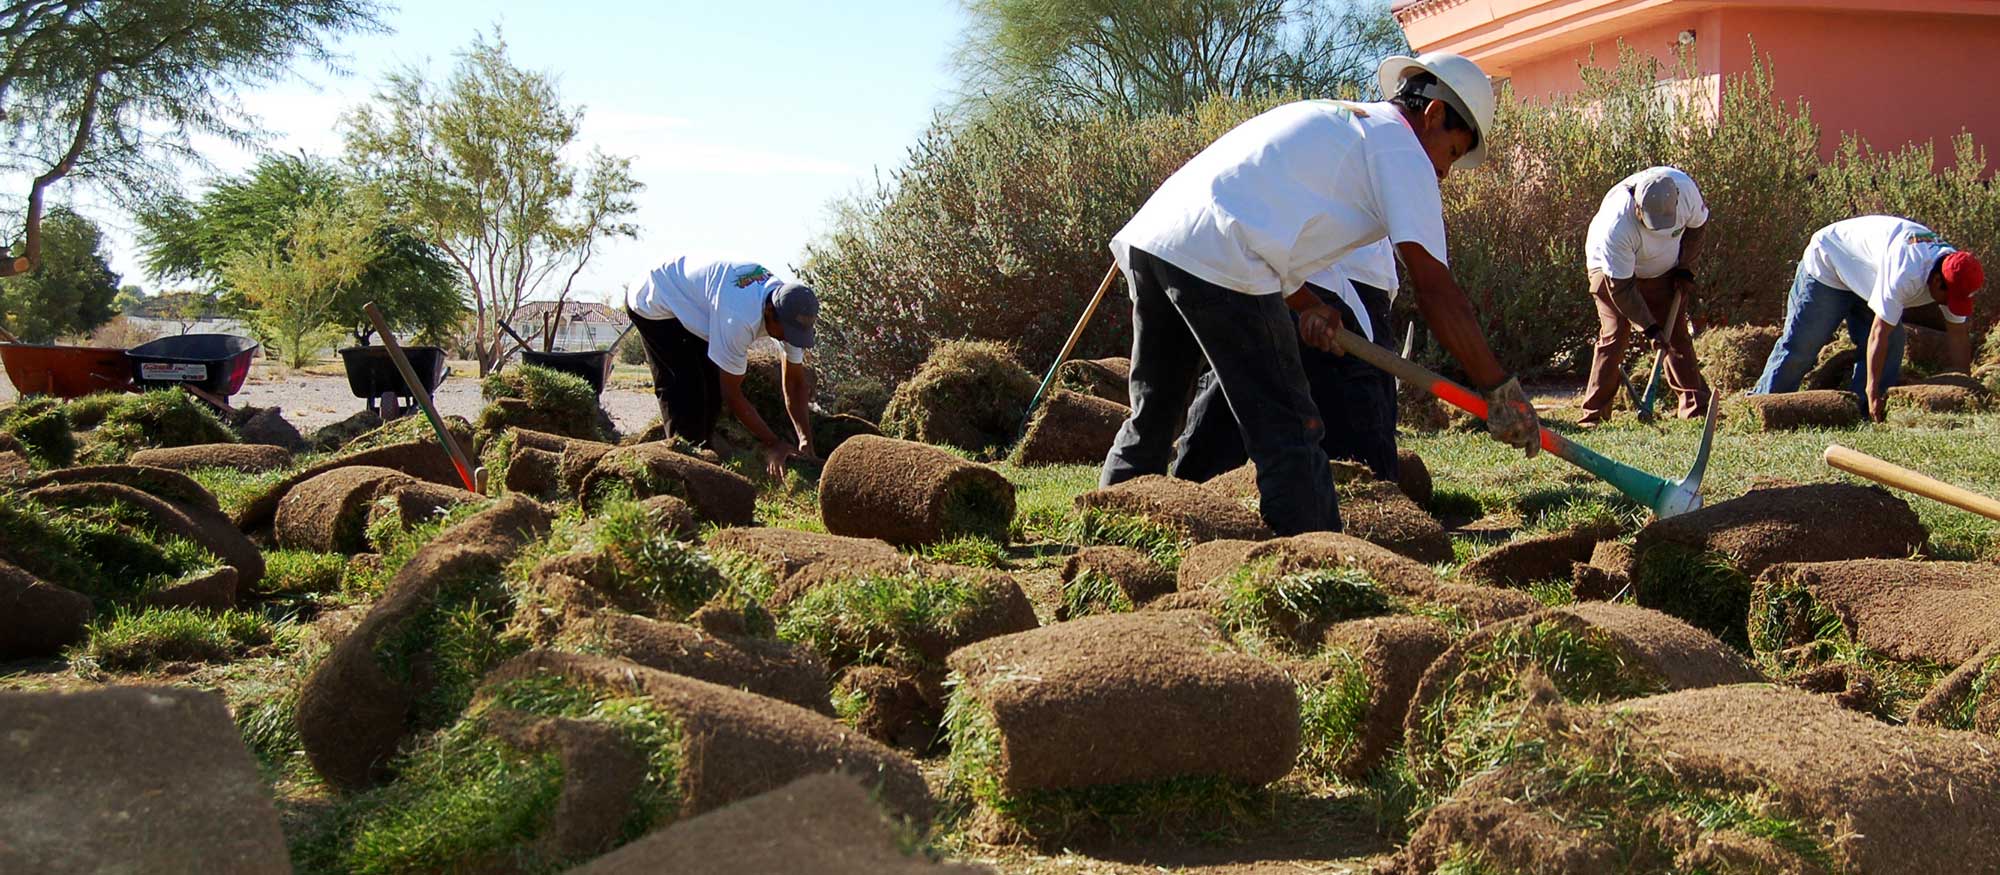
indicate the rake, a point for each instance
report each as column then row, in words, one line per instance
column 1664, row 497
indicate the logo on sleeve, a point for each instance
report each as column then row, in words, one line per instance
column 755, row 274
column 1918, row 238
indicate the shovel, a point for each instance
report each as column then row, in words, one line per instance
column 1664, row 497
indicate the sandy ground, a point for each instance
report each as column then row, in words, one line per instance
column 318, row 396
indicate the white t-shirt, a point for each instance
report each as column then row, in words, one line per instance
column 1371, row 265
column 1290, row 192
column 721, row 302
column 1622, row 247
column 1885, row 259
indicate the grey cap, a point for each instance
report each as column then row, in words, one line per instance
column 1659, row 200
column 798, row 312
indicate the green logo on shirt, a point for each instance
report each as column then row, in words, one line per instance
column 756, row 274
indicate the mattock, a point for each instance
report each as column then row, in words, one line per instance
column 1664, row 497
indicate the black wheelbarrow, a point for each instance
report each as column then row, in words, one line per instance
column 212, row 364
column 371, row 374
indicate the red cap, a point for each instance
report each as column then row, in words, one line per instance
column 1962, row 277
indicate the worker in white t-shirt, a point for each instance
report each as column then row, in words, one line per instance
column 1640, row 252
column 1873, row 273
column 698, row 320
column 1218, row 258
column 1361, row 287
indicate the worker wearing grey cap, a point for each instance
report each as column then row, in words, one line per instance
column 1641, row 251
column 699, row 320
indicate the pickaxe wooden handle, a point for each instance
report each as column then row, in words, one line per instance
column 458, row 459
column 1890, row 474
column 1076, row 333
column 1652, row 395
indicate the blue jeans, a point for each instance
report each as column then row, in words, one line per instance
column 1357, row 400
column 1813, row 313
column 1250, row 342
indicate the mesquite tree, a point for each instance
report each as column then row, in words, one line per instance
column 476, row 166
column 111, row 91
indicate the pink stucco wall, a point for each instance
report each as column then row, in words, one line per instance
column 1892, row 72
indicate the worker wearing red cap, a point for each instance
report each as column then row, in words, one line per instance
column 1873, row 273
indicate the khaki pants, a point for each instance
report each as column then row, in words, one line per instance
column 1614, row 332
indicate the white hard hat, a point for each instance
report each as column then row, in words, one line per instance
column 1466, row 89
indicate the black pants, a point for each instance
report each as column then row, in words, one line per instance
column 1253, row 347
column 1357, row 399
column 687, row 382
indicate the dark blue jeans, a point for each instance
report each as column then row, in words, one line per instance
column 1357, row 399
column 1813, row 312
column 1253, row 347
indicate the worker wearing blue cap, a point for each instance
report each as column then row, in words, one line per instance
column 699, row 320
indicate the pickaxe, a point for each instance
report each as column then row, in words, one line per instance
column 1664, row 497
column 1652, row 395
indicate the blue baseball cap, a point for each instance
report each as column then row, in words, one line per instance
column 798, row 312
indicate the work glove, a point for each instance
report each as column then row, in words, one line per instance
column 1511, row 419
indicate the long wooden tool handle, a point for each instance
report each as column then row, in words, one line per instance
column 423, row 397
column 1861, row 464
column 1076, row 333
column 1660, row 355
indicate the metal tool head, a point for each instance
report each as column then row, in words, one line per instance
column 1683, row 495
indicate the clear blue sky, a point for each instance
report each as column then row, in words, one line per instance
column 743, row 119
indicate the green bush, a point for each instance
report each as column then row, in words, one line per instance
column 995, row 229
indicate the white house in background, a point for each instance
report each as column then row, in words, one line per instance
column 582, row 326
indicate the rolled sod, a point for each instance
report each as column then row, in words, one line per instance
column 734, row 745
column 1240, row 484
column 632, row 557
column 1114, row 701
column 1354, row 692
column 1835, row 370
column 242, row 457
column 1815, row 408
column 1724, row 779
column 1380, row 513
column 527, row 396
column 907, row 493
column 213, row 590
column 424, row 460
column 132, row 779
column 160, row 483
column 1109, row 379
column 534, row 473
column 969, row 394
column 1961, row 380
column 1405, row 579
column 1070, row 428
column 38, row 618
column 1907, row 623
column 1930, row 398
column 827, row 824
column 1420, row 411
column 1732, row 357
column 1588, row 653
column 1110, row 580
column 1537, row 559
column 329, row 513
column 781, row 553
column 387, row 677
column 909, row 614
column 14, row 467
column 764, row 666
column 1698, row 566
column 1191, row 509
column 209, row 529
column 892, row 706
column 1414, row 476
column 1595, row 583
column 1967, row 698
column 717, row 494
column 830, row 431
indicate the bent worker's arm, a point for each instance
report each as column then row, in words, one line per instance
column 798, row 403
column 1319, row 321
column 1878, row 364
column 740, row 407
column 1691, row 246
column 1625, row 298
column 1958, row 345
column 1449, row 315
